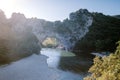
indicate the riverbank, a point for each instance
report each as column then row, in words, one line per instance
column 35, row 67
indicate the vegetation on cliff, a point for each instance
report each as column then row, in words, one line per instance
column 102, row 36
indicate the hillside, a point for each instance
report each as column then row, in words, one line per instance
column 83, row 32
column 117, row 16
column 102, row 36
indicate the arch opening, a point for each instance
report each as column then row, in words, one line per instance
column 50, row 42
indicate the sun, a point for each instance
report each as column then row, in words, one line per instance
column 7, row 6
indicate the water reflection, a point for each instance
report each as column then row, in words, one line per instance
column 66, row 61
column 53, row 57
column 74, row 64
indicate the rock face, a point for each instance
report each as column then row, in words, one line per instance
column 25, row 42
column 76, row 27
column 16, row 38
column 102, row 36
column 27, row 32
column 67, row 32
column 81, row 31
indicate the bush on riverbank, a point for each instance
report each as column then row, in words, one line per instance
column 106, row 68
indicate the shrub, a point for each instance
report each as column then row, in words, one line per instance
column 106, row 68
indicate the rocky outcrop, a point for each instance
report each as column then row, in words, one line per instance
column 16, row 38
column 67, row 32
column 24, row 42
column 81, row 31
column 102, row 36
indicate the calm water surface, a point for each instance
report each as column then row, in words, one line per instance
column 51, row 64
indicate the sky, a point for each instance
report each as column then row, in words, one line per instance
column 58, row 9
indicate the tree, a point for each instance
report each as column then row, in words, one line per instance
column 3, row 52
column 107, row 67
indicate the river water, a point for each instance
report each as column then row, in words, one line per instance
column 51, row 64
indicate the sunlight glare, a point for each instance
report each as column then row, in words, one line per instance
column 7, row 6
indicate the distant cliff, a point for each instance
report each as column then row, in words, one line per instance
column 68, row 32
column 83, row 31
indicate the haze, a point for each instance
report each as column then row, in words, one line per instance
column 58, row 9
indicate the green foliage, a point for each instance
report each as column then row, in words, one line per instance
column 103, row 34
column 3, row 52
column 106, row 68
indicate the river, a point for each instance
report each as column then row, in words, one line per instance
column 51, row 64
